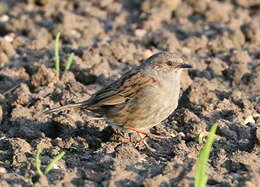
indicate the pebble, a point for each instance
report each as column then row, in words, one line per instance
column 140, row 32
column 2, row 170
column 4, row 18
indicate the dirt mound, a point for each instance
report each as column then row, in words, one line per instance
column 221, row 40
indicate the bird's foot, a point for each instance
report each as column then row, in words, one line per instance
column 147, row 134
column 144, row 135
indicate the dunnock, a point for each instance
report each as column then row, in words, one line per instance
column 142, row 97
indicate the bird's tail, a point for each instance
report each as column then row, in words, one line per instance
column 65, row 107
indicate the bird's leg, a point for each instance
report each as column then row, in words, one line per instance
column 152, row 136
column 143, row 137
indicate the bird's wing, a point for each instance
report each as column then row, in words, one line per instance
column 121, row 90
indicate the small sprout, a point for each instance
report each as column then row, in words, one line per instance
column 201, row 177
column 50, row 166
column 53, row 162
column 57, row 52
column 38, row 161
column 201, row 138
column 69, row 62
column 2, row 65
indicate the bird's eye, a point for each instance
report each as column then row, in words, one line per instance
column 169, row 63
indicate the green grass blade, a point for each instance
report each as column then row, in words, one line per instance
column 38, row 161
column 201, row 165
column 57, row 52
column 69, row 61
column 51, row 164
column 200, row 138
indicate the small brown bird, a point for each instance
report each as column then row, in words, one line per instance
column 142, row 97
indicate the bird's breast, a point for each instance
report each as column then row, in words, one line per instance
column 156, row 104
column 148, row 107
column 169, row 96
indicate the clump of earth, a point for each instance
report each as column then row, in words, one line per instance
column 221, row 40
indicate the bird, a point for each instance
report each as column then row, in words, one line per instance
column 142, row 97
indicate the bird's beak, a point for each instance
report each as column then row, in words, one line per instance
column 185, row 66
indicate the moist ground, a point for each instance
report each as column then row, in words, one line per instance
column 221, row 40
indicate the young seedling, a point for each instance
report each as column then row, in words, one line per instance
column 57, row 52
column 53, row 162
column 201, row 138
column 50, row 165
column 38, row 161
column 201, row 177
column 69, row 62
column 57, row 55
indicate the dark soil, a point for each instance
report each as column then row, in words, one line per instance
column 221, row 40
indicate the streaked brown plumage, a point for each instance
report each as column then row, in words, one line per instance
column 142, row 97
